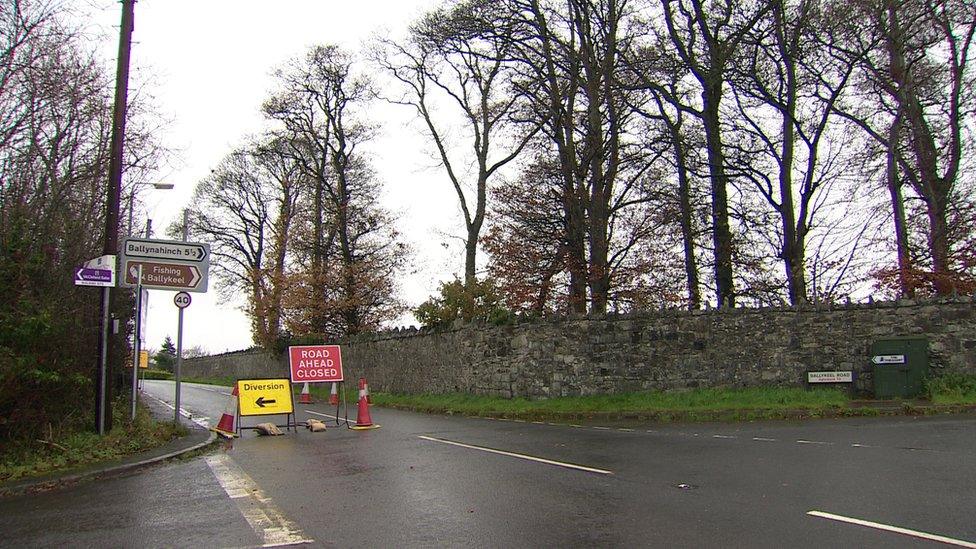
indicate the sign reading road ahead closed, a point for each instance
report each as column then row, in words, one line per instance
column 264, row 397
column 315, row 363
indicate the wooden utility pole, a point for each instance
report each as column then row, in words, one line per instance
column 103, row 403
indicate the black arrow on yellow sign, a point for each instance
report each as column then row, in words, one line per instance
column 261, row 402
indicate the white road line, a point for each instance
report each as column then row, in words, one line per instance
column 324, row 415
column 602, row 428
column 723, row 436
column 626, row 430
column 202, row 422
column 895, row 529
column 764, row 439
column 260, row 512
column 519, row 456
column 815, row 442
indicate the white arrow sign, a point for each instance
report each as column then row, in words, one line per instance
column 888, row 359
column 189, row 252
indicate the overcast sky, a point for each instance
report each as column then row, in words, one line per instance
column 208, row 65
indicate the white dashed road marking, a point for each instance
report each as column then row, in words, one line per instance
column 519, row 456
column 260, row 512
column 895, row 529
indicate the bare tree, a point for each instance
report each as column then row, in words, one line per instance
column 461, row 54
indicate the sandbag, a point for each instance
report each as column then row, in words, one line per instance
column 315, row 425
column 269, row 429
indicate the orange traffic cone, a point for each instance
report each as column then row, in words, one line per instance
column 306, row 397
column 363, row 421
column 225, row 426
column 334, row 395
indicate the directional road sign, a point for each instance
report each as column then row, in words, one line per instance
column 97, row 272
column 95, row 277
column 166, row 264
column 888, row 359
column 264, row 397
column 164, row 276
column 176, row 250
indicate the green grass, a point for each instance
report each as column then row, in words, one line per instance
column 952, row 389
column 699, row 400
column 76, row 450
column 222, row 381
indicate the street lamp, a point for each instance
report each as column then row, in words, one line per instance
column 132, row 197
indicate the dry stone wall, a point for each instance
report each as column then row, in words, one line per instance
column 659, row 350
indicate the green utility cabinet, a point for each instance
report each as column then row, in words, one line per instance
column 900, row 366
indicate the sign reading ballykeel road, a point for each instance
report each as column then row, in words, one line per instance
column 166, row 264
column 264, row 397
column 315, row 363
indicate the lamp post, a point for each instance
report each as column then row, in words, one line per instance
column 140, row 302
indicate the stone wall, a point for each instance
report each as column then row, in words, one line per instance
column 660, row 350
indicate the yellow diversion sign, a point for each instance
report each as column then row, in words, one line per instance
column 265, row 397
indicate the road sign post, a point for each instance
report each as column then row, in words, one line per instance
column 100, row 272
column 182, row 300
column 135, row 343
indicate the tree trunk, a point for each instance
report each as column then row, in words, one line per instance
column 721, row 232
column 686, row 219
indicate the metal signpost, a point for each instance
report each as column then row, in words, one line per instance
column 100, row 272
column 167, row 265
column 182, row 300
column 135, row 342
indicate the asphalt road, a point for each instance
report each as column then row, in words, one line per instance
column 422, row 481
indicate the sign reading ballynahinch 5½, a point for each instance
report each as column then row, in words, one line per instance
column 165, row 264
column 315, row 363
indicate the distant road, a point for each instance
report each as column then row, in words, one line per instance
column 451, row 481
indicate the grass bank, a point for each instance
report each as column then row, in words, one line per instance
column 694, row 404
column 952, row 392
column 62, row 452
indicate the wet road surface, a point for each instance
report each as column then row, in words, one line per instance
column 423, row 481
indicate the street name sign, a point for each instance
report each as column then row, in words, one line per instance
column 166, row 264
column 315, row 363
column 97, row 272
column 264, row 397
column 831, row 377
column 888, row 359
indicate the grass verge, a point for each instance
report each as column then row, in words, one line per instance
column 952, row 389
column 76, row 450
column 684, row 403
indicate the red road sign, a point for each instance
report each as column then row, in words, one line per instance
column 167, row 276
column 315, row 363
